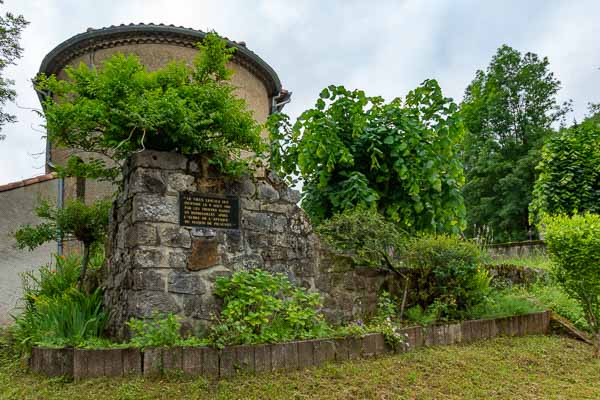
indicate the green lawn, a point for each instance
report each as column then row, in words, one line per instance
column 504, row 368
column 538, row 260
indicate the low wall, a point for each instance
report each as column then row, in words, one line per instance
column 517, row 249
column 209, row 362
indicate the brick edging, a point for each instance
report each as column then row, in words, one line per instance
column 205, row 361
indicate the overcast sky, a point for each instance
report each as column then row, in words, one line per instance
column 383, row 47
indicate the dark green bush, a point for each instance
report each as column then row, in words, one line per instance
column 446, row 272
column 261, row 307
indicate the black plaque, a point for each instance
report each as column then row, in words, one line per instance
column 209, row 211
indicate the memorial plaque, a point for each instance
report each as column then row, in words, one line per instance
column 209, row 211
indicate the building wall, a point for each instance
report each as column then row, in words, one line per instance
column 18, row 206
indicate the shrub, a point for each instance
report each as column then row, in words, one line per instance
column 160, row 330
column 262, row 307
column 574, row 246
column 447, row 270
column 65, row 320
column 55, row 312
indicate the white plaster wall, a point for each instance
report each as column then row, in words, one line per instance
column 17, row 208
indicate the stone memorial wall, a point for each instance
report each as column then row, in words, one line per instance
column 177, row 225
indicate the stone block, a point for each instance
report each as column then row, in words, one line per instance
column 147, row 258
column 154, row 208
column 158, row 159
column 144, row 180
column 146, row 303
column 148, row 279
column 205, row 254
column 141, row 234
column 267, row 192
column 186, row 283
column 180, row 182
column 174, row 236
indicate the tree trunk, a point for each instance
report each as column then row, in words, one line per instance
column 404, row 297
column 84, row 264
column 597, row 353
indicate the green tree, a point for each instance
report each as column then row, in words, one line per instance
column 11, row 27
column 400, row 157
column 569, row 171
column 507, row 110
column 85, row 223
column 574, row 246
column 122, row 108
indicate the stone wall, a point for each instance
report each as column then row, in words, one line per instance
column 156, row 265
column 529, row 248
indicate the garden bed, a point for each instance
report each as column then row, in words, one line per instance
column 205, row 361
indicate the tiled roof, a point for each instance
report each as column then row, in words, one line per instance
column 27, row 182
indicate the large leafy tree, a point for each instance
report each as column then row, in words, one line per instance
column 122, row 108
column 400, row 158
column 569, row 171
column 507, row 110
column 10, row 32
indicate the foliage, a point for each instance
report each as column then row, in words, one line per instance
column 569, row 172
column 504, row 303
column 554, row 297
column 447, row 273
column 86, row 223
column 423, row 317
column 508, row 110
column 122, row 108
column 366, row 237
column 54, row 312
column 574, row 245
column 160, row 330
column 399, row 157
column 261, row 307
column 64, row 320
column 11, row 27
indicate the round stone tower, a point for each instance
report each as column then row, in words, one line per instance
column 157, row 45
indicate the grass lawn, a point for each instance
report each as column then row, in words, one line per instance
column 534, row 367
column 538, row 261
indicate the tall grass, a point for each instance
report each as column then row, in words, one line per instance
column 55, row 312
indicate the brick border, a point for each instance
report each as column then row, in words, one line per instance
column 205, row 361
